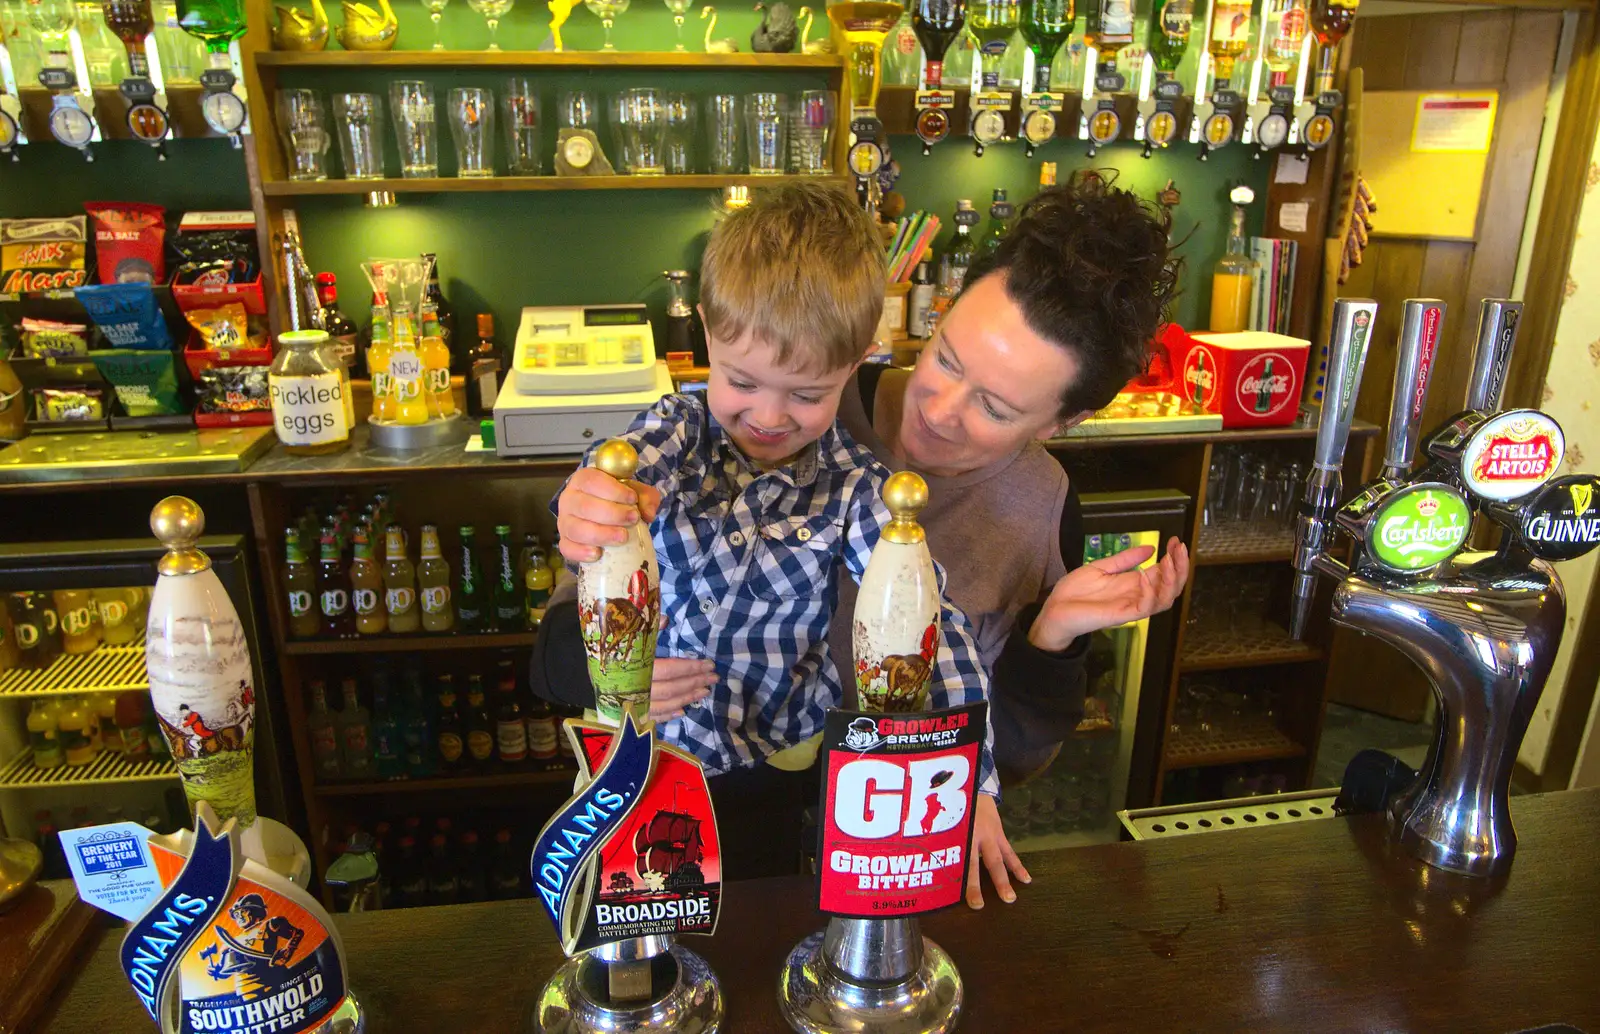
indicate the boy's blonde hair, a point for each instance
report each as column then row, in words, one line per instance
column 802, row 268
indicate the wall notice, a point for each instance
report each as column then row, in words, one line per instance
column 1454, row 123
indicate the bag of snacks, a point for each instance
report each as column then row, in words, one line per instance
column 43, row 339
column 223, row 329
column 129, row 241
column 70, row 402
column 146, row 383
column 41, row 254
column 233, row 389
column 216, row 248
column 127, row 314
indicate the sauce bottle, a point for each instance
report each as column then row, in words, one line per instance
column 305, row 621
column 435, row 364
column 433, row 579
column 333, row 589
column 79, row 631
column 400, row 583
column 366, row 588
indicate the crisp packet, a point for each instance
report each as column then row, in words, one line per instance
column 225, row 328
column 43, row 339
column 127, row 314
column 146, row 383
column 129, row 241
column 233, row 389
column 74, row 402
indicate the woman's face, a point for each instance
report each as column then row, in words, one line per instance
column 985, row 386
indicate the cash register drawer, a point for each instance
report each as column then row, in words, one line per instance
column 541, row 425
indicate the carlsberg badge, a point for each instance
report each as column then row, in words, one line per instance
column 1418, row 528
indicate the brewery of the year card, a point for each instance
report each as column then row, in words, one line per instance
column 897, row 810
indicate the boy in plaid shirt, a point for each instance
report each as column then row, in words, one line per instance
column 757, row 495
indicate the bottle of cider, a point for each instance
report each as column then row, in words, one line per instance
column 433, row 583
column 366, row 588
column 400, row 583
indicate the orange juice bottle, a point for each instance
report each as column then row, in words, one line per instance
column 435, row 365
column 378, row 363
column 80, row 631
column 405, row 371
column 1233, row 280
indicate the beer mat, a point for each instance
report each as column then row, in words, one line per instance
column 42, row 935
column 898, row 798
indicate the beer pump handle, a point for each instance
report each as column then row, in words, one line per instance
column 1347, row 355
column 1420, row 328
column 1491, row 357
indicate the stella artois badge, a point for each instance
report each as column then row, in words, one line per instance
column 635, row 852
column 1510, row 455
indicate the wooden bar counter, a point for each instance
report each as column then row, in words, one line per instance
column 1308, row 927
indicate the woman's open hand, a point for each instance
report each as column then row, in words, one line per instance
column 1110, row 591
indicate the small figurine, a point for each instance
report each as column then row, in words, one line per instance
column 296, row 31
column 821, row 46
column 716, row 46
column 366, row 29
column 778, row 30
column 560, row 11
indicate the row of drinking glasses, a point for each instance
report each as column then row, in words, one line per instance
column 1245, row 488
column 1211, row 707
column 653, row 131
column 1231, row 601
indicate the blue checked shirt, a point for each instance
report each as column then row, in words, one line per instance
column 747, row 579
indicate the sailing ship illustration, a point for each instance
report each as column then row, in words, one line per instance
column 668, row 849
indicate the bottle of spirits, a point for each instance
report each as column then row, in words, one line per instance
column 419, row 731
column 480, row 729
column 472, row 605
column 435, row 365
column 355, row 734
column 388, row 742
column 538, row 581
column 510, row 732
column 485, row 366
column 1000, row 212
column 919, row 302
column 1046, row 24
column 962, row 248
column 1232, row 281
column 937, row 23
column 1171, row 25
column 333, row 589
column 1230, row 38
column 324, row 733
column 451, row 732
column 1330, row 21
column 1108, row 27
column 305, row 619
column 993, row 22
column 474, row 882
column 400, row 583
column 507, row 599
column 366, row 587
column 343, row 336
column 433, row 584
column 1288, row 21
column 447, row 319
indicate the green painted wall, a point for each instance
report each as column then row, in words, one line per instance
column 498, row 252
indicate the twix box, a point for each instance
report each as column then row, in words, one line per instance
column 1252, row 378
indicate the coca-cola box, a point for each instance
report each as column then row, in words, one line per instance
column 1252, row 378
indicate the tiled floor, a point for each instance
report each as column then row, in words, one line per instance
column 1346, row 731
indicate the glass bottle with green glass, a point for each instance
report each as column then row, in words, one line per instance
column 217, row 24
column 993, row 22
column 1046, row 25
column 1171, row 24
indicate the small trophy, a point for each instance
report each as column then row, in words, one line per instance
column 633, row 859
column 897, row 810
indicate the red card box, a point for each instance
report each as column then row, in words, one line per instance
column 1252, row 378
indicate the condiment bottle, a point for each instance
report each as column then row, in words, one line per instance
column 400, row 583
column 300, row 581
column 310, row 395
column 366, row 588
column 433, row 581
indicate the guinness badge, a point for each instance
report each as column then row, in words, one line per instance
column 1562, row 520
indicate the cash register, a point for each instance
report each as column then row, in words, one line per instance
column 579, row 374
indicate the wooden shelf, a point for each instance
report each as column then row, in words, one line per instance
column 645, row 59
column 561, row 776
column 1248, row 647
column 1237, row 542
column 501, row 184
column 421, row 641
column 1230, row 746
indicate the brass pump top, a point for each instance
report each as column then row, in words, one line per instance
column 178, row 522
column 617, row 458
column 906, row 496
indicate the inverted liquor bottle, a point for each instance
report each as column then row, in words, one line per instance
column 1288, row 21
column 1046, row 25
column 1108, row 27
column 1230, row 38
column 937, row 23
column 993, row 22
column 1171, row 26
column 1330, row 21
column 131, row 21
column 864, row 25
